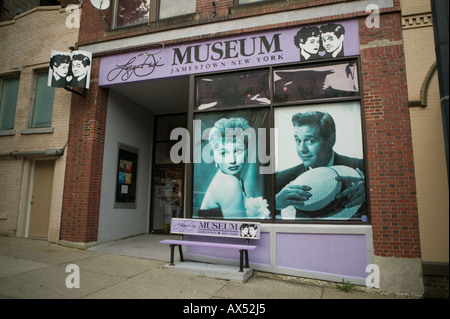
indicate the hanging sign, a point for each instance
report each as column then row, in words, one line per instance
column 70, row 69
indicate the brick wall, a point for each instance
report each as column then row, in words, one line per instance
column 65, row 3
column 96, row 26
column 82, row 186
column 389, row 144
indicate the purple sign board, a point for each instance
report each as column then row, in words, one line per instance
column 220, row 228
column 288, row 45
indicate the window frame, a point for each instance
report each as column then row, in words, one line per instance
column 154, row 14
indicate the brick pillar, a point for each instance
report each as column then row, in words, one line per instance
column 82, row 186
column 389, row 143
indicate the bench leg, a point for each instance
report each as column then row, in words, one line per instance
column 180, row 249
column 171, row 254
column 241, row 260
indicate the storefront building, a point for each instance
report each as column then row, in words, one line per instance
column 318, row 91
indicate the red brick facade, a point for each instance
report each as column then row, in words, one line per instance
column 389, row 146
column 389, row 153
column 82, row 186
column 65, row 3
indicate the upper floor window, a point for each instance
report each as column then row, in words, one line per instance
column 250, row 1
column 171, row 8
column 9, row 87
column 131, row 12
column 41, row 115
column 134, row 12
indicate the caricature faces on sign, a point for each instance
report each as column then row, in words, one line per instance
column 308, row 41
column 70, row 69
column 249, row 230
column 332, row 36
column 80, row 68
column 311, row 46
column 326, row 41
column 60, row 67
column 252, row 230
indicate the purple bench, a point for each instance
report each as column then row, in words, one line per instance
column 214, row 228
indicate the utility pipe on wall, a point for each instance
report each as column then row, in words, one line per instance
column 47, row 152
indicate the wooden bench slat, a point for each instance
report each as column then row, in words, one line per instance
column 207, row 244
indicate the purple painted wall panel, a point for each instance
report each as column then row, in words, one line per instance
column 334, row 254
column 343, row 254
column 260, row 255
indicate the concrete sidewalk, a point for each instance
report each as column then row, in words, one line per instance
column 35, row 269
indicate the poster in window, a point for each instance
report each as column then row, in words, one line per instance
column 228, row 182
column 126, row 177
column 320, row 173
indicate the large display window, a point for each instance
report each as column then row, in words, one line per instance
column 280, row 144
column 227, row 182
column 319, row 162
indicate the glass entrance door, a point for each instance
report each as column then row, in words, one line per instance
column 167, row 177
column 167, row 196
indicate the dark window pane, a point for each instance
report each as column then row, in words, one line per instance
column 130, row 12
column 331, row 81
column 165, row 125
column 233, row 89
column 43, row 102
column 8, row 101
column 171, row 8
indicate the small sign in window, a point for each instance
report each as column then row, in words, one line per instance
column 126, row 177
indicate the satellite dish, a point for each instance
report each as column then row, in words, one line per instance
column 100, row 4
